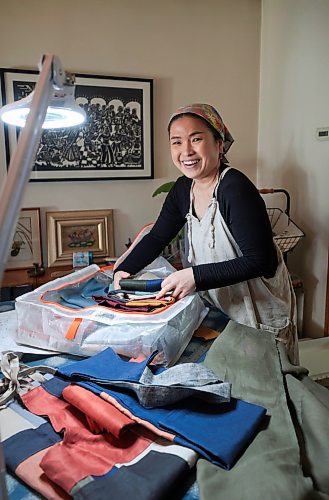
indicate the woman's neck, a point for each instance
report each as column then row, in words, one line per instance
column 207, row 183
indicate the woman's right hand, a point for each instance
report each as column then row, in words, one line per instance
column 119, row 275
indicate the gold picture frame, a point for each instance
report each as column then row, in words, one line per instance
column 26, row 244
column 77, row 231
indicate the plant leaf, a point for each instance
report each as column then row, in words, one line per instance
column 164, row 188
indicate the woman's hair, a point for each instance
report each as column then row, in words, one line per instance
column 212, row 130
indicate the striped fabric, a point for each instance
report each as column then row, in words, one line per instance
column 81, row 440
column 72, row 454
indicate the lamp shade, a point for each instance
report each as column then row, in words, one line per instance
column 62, row 110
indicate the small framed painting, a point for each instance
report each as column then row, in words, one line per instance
column 26, row 244
column 79, row 231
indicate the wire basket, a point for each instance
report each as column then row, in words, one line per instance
column 285, row 232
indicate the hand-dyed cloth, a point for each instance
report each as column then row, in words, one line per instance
column 233, row 423
column 89, row 458
column 289, row 457
column 139, row 304
column 154, row 386
column 106, row 446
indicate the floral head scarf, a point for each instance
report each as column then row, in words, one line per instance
column 211, row 116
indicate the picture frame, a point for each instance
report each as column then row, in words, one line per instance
column 116, row 141
column 26, row 249
column 79, row 230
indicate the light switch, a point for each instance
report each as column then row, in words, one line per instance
column 322, row 134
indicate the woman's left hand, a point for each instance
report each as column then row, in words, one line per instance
column 181, row 283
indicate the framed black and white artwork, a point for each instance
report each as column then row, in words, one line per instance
column 115, row 142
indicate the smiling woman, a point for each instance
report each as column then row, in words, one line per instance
column 233, row 261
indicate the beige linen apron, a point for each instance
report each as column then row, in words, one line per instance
column 266, row 304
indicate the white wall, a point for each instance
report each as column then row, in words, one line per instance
column 195, row 51
column 293, row 104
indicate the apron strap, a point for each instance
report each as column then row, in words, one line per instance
column 18, row 378
column 189, row 216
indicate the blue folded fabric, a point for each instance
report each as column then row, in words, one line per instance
column 77, row 295
column 154, row 387
column 218, row 432
column 106, row 365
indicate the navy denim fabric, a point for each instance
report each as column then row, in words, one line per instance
column 162, row 388
column 218, row 432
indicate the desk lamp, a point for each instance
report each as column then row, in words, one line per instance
column 50, row 105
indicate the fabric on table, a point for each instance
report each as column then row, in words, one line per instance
column 19, row 490
column 32, row 474
column 56, row 386
column 100, row 415
column 35, row 420
column 234, row 423
column 155, row 476
column 275, row 465
column 11, row 423
column 61, row 414
column 163, row 388
column 309, row 403
column 153, row 427
column 26, row 443
column 82, row 454
column 18, row 377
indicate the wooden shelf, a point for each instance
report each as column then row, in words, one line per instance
column 18, row 277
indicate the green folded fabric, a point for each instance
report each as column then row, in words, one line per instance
column 288, row 459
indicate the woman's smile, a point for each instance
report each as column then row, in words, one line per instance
column 190, row 163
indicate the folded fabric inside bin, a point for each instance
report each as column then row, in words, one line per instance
column 63, row 316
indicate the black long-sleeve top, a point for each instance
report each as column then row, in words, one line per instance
column 245, row 214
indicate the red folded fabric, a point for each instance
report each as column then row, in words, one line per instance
column 99, row 412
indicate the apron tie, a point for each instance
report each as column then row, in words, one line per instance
column 212, row 222
column 189, row 237
column 18, row 377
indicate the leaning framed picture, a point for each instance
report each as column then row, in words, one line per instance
column 79, row 231
column 25, row 248
column 115, row 142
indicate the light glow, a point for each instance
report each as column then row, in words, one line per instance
column 55, row 117
column 62, row 110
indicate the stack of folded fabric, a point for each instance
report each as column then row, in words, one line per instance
column 104, row 424
column 130, row 302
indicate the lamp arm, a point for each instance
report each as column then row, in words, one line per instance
column 23, row 159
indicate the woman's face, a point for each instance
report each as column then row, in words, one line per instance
column 194, row 149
